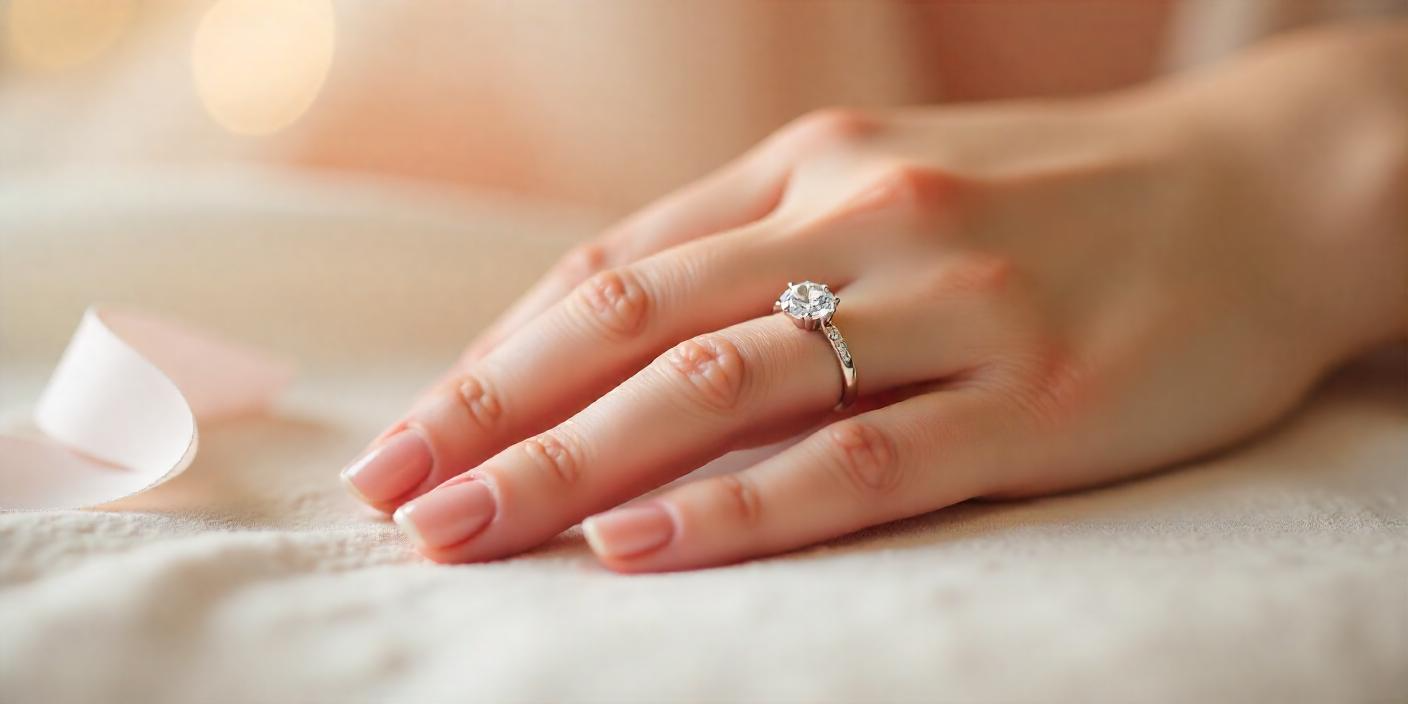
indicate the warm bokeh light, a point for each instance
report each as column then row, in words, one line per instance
column 258, row 64
column 59, row 34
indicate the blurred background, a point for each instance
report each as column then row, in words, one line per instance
column 600, row 104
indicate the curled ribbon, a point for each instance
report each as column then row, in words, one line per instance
column 119, row 415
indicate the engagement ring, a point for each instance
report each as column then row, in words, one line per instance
column 811, row 306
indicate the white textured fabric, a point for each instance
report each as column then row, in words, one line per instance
column 1277, row 572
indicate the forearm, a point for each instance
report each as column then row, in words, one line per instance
column 1312, row 130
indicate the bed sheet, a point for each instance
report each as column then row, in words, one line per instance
column 1275, row 572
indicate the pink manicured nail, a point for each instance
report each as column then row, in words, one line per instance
column 390, row 469
column 630, row 531
column 447, row 515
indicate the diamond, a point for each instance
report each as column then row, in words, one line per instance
column 808, row 300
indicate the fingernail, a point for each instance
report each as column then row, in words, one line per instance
column 629, row 532
column 390, row 469
column 448, row 514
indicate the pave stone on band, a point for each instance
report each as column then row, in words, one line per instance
column 811, row 306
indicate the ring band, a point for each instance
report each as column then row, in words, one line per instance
column 811, row 306
column 850, row 385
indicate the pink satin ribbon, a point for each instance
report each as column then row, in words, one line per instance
column 119, row 415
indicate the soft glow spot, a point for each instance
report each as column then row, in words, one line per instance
column 59, row 34
column 258, row 64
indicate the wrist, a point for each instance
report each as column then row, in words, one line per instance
column 1302, row 149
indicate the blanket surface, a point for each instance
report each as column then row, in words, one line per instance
column 1277, row 571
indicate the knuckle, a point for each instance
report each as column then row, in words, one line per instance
column 558, row 454
column 615, row 302
column 709, row 370
column 740, row 496
column 1044, row 386
column 480, row 401
column 829, row 127
column 863, row 458
column 913, row 188
column 973, row 273
column 582, row 261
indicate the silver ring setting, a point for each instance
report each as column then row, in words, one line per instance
column 811, row 306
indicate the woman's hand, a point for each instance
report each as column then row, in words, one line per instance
column 1037, row 296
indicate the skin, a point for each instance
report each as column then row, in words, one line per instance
column 1040, row 296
